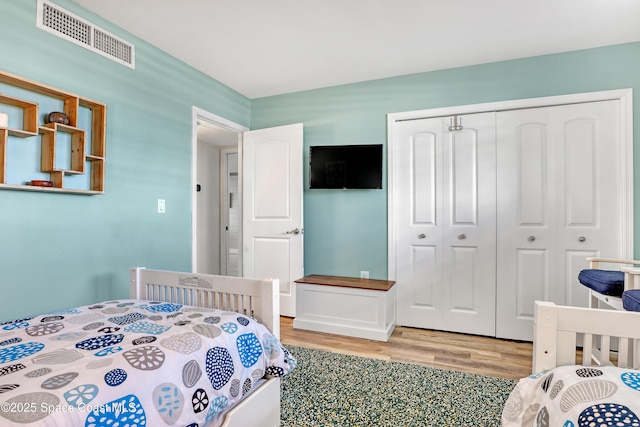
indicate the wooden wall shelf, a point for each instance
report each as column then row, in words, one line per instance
column 84, row 155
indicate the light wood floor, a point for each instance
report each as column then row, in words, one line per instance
column 479, row 355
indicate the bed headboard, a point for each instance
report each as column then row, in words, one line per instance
column 557, row 330
column 252, row 297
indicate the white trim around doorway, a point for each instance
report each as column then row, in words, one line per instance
column 200, row 114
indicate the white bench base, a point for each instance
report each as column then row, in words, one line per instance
column 355, row 312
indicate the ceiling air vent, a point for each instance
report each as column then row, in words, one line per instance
column 62, row 23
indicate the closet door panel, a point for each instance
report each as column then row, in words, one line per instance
column 463, row 292
column 423, row 166
column 560, row 163
column 573, row 293
column 532, row 281
column 417, row 170
column 424, row 262
column 530, row 157
column 526, row 180
column 444, row 210
column 590, row 208
column 469, row 233
column 464, row 177
column 581, row 165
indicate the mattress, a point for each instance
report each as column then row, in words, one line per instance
column 133, row 362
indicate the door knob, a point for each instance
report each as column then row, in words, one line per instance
column 582, row 239
column 531, row 238
column 421, row 236
column 462, row 236
column 294, row 231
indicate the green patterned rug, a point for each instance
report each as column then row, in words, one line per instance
column 329, row 389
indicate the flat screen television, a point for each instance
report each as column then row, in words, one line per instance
column 345, row 166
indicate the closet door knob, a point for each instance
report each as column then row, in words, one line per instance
column 421, row 236
column 531, row 238
column 582, row 239
column 462, row 236
column 294, row 231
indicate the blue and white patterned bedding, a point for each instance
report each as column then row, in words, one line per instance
column 576, row 396
column 134, row 363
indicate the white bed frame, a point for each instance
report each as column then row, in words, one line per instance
column 256, row 298
column 558, row 329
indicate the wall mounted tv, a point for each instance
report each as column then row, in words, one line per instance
column 345, row 166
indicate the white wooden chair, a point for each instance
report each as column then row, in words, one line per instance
column 610, row 293
column 607, row 287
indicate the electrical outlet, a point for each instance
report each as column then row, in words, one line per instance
column 161, row 206
column 364, row 274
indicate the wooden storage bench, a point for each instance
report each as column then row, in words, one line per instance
column 363, row 308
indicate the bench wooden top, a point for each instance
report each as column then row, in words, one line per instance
column 347, row 282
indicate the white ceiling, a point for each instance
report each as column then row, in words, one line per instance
column 269, row 47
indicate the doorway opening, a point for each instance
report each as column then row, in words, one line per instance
column 216, row 201
column 230, row 217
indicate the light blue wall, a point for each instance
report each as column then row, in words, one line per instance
column 61, row 250
column 346, row 231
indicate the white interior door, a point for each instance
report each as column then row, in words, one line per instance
column 559, row 202
column 272, row 208
column 444, row 220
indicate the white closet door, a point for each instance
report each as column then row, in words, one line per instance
column 417, row 169
column 558, row 202
column 444, row 190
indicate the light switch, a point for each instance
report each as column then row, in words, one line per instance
column 161, row 205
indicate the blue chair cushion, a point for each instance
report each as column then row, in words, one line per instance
column 605, row 282
column 631, row 300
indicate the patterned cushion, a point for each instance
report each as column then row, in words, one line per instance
column 631, row 300
column 605, row 282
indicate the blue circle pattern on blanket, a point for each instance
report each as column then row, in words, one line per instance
column 608, row 414
column 271, row 346
column 115, row 377
column 229, row 327
column 100, row 342
column 217, row 406
column 108, row 351
column 164, row 308
column 81, row 395
column 249, row 349
column 15, row 325
column 126, row 411
column 219, row 367
column 631, row 379
column 19, row 351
